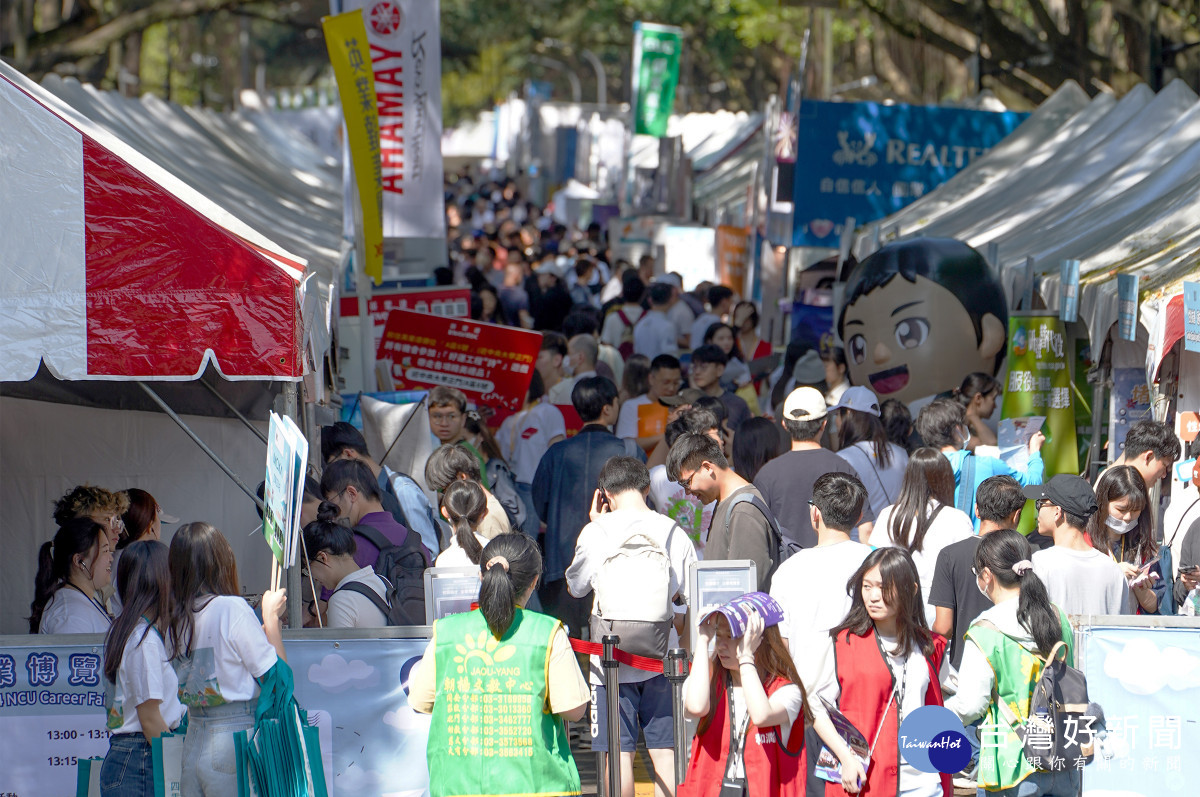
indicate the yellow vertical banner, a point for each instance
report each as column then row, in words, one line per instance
column 349, row 52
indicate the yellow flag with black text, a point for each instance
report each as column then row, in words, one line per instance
column 349, row 52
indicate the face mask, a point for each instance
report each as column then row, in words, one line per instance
column 967, row 439
column 1119, row 526
column 981, row 590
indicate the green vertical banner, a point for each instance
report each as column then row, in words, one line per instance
column 1039, row 384
column 656, row 51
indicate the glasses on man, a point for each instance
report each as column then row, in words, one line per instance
column 687, row 483
column 1041, row 502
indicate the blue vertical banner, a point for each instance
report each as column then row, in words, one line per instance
column 1127, row 306
column 865, row 160
column 1068, row 296
column 1191, row 316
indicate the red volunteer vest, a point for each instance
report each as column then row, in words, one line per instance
column 772, row 770
column 866, row 682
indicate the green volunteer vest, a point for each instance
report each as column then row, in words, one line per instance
column 1001, row 762
column 492, row 732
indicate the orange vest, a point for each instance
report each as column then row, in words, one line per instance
column 772, row 770
column 866, row 683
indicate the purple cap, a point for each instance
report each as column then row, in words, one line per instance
column 737, row 611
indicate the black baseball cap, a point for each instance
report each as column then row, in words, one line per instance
column 1067, row 491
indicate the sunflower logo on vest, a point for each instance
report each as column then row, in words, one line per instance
column 485, row 647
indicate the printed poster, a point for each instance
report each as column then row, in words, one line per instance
column 656, row 53
column 448, row 302
column 1128, row 404
column 283, row 492
column 867, row 160
column 406, row 57
column 491, row 363
column 733, row 250
column 346, row 39
column 1039, row 383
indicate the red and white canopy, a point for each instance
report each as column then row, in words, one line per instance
column 112, row 268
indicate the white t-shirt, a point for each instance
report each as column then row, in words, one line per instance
column 145, row 674
column 599, row 539
column 455, row 556
column 525, row 437
column 627, row 421
column 614, row 326
column 681, row 315
column 672, row 500
column 700, row 327
column 229, row 650
column 793, row 704
column 69, row 611
column 950, row 526
column 349, row 609
column 655, row 334
column 911, row 674
column 1082, row 582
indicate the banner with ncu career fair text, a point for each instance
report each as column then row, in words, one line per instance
column 867, row 161
column 1039, row 384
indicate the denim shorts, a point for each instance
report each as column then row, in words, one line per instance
column 209, row 763
column 128, row 769
column 645, row 707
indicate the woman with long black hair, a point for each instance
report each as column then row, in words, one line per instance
column 137, row 662
column 512, row 672
column 72, row 572
column 1122, row 529
column 923, row 520
column 863, row 442
column 888, row 663
column 1008, row 645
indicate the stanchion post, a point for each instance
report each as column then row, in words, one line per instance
column 675, row 667
column 612, row 694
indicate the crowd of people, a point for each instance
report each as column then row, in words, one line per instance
column 890, row 575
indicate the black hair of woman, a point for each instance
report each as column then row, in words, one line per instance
column 927, row 475
column 855, row 426
column 1138, row 545
column 326, row 534
column 144, row 584
column 510, row 565
column 202, row 565
column 465, row 505
column 77, row 541
column 901, row 592
column 757, row 442
column 999, row 552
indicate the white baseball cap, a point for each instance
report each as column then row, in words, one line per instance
column 805, row 404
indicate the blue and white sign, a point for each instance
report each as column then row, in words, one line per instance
column 1068, row 297
column 1191, row 316
column 1127, row 306
column 867, row 161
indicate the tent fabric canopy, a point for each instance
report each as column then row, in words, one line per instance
column 110, row 268
column 1113, row 183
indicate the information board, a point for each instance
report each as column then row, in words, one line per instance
column 450, row 590
column 714, row 584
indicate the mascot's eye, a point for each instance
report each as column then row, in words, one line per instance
column 912, row 332
column 857, row 346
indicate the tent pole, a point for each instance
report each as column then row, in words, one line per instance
column 245, row 421
column 203, row 446
column 295, row 588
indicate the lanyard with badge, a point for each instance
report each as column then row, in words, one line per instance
column 733, row 786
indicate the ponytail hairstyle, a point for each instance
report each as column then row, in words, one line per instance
column 1002, row 550
column 976, row 384
column 202, row 566
column 139, row 517
column 509, row 565
column 144, row 584
column 928, row 475
column 465, row 504
column 326, row 534
column 75, row 536
column 488, row 446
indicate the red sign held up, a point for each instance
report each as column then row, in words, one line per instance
column 492, row 364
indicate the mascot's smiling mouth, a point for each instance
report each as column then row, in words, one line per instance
column 891, row 380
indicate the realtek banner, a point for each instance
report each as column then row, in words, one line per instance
column 406, row 55
column 867, row 161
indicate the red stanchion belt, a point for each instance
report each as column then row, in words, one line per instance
column 637, row 662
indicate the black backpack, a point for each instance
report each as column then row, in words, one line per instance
column 1063, row 724
column 402, row 568
column 782, row 547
